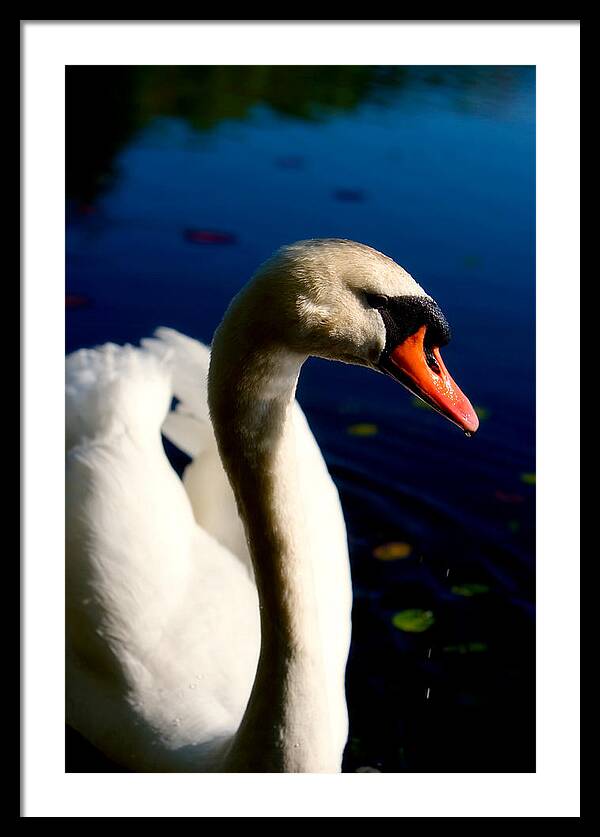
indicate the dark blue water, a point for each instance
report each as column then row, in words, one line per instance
column 182, row 180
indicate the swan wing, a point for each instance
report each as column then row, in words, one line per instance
column 189, row 428
column 162, row 620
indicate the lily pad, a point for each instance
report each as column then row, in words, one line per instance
column 472, row 260
column 363, row 429
column 349, row 195
column 291, row 161
column 469, row 589
column 392, row 551
column 195, row 236
column 505, row 497
column 76, row 301
column 414, row 620
column 421, row 405
column 466, row 648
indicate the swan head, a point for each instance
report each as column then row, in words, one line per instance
column 345, row 301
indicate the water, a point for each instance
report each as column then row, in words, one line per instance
column 181, row 181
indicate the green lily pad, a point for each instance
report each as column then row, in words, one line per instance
column 421, row 405
column 414, row 620
column 363, row 429
column 466, row 648
column 469, row 589
column 354, row 746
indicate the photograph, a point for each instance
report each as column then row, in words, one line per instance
column 300, row 405
column 276, row 563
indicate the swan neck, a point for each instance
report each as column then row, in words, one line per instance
column 255, row 433
column 251, row 397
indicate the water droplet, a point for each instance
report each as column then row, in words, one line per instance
column 427, row 695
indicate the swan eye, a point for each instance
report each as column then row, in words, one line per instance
column 376, row 300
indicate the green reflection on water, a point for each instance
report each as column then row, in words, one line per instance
column 107, row 105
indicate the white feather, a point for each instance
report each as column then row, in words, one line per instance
column 163, row 632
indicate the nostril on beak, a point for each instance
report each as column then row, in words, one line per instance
column 432, row 362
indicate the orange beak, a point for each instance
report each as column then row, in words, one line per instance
column 424, row 374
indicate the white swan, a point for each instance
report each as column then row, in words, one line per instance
column 181, row 654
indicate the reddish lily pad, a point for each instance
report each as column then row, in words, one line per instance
column 76, row 301
column 509, row 498
column 392, row 551
column 209, row 237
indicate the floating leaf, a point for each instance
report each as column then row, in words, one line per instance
column 469, row 589
column 86, row 209
column 76, row 301
column 209, row 237
column 466, row 648
column 292, row 161
column 467, row 699
column 413, row 620
column 350, row 405
column 528, row 479
column 349, row 195
column 363, row 429
column 392, row 551
column 354, row 745
column 509, row 498
column 421, row 405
